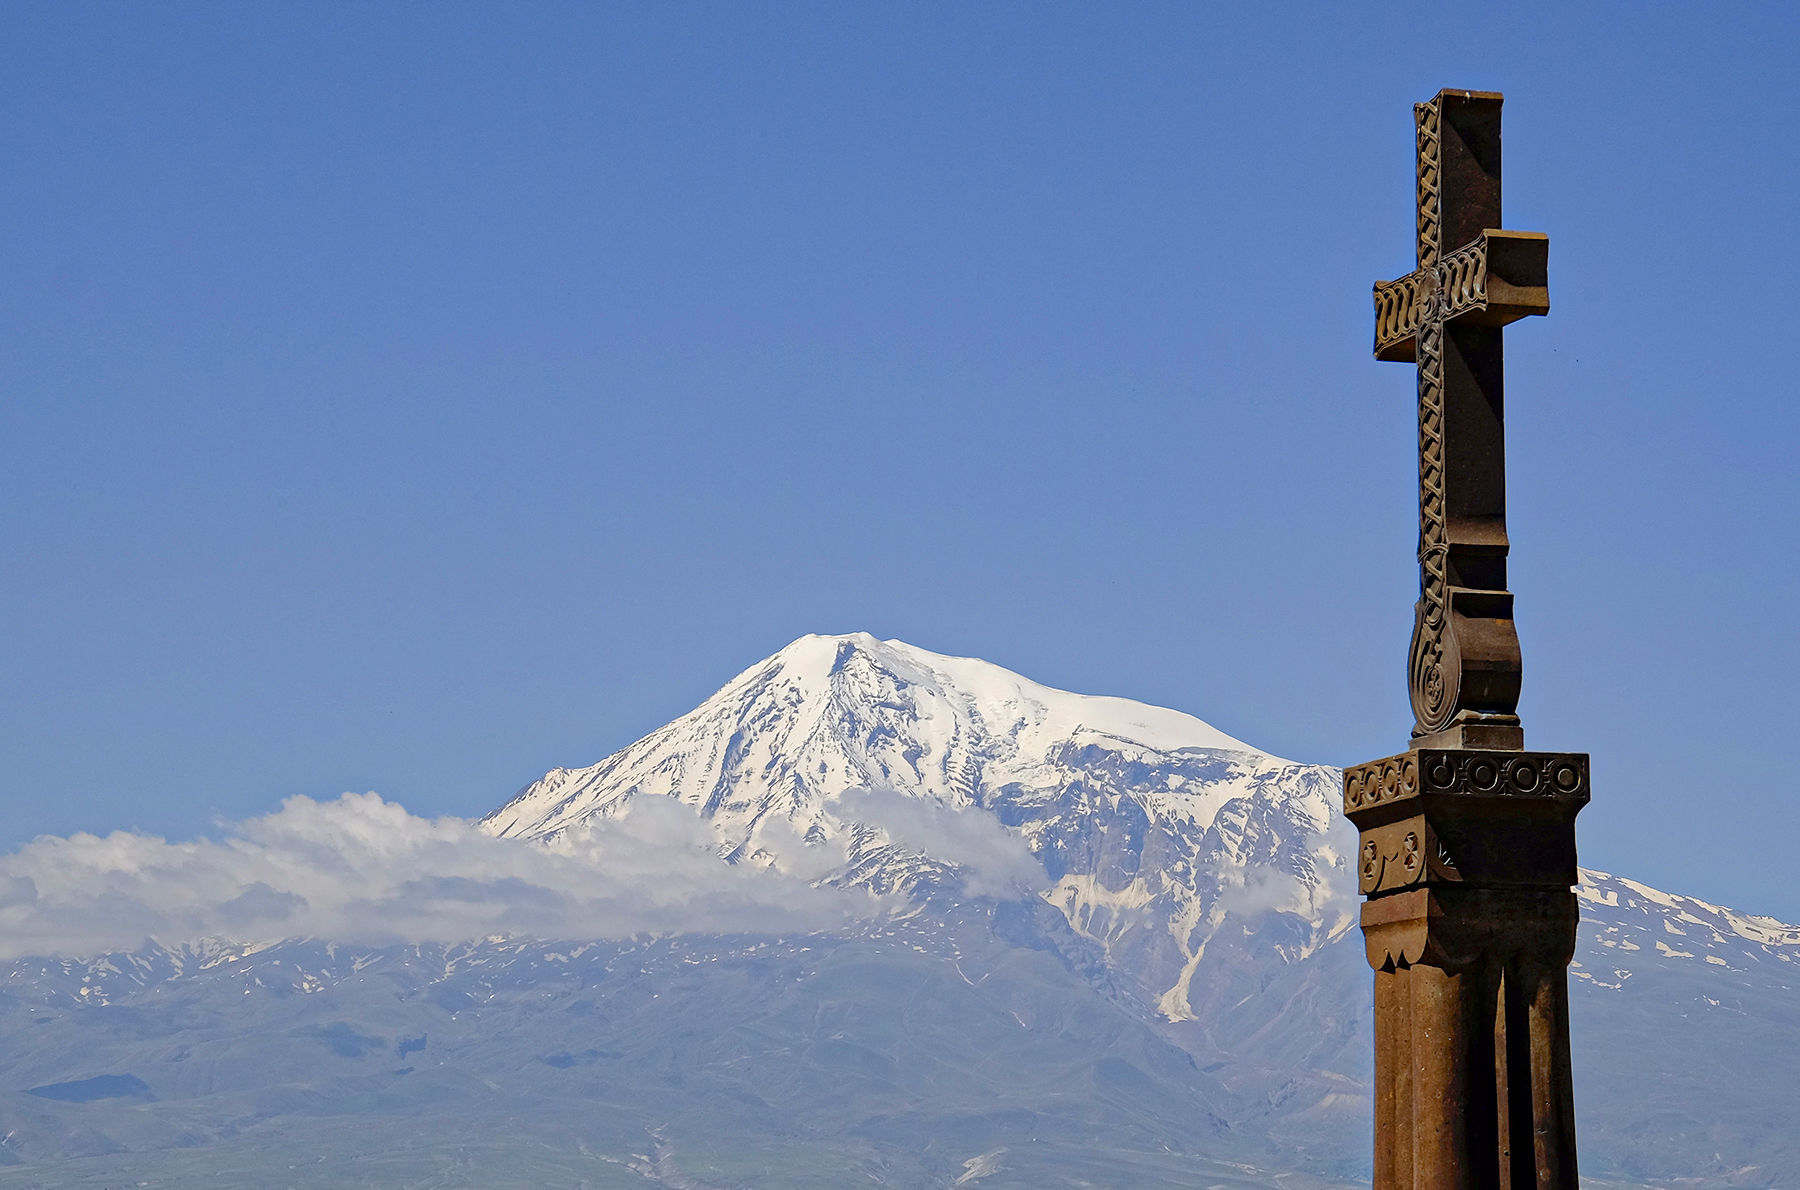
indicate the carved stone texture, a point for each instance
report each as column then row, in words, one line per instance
column 1472, row 279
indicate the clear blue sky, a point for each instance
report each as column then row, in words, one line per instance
column 413, row 398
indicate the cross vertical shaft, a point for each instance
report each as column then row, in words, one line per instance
column 1467, row 849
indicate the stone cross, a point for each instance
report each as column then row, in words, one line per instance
column 1467, row 847
column 1446, row 316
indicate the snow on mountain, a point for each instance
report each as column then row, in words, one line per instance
column 1151, row 826
column 1623, row 919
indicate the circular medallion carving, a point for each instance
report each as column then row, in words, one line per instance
column 1390, row 780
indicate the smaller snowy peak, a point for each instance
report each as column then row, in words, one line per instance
column 1635, row 922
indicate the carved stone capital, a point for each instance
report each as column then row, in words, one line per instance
column 1466, row 817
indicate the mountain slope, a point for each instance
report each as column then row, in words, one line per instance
column 924, row 1052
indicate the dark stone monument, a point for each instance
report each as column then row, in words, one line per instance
column 1467, row 855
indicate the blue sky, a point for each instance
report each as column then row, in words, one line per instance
column 412, row 400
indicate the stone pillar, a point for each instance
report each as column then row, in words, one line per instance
column 1467, row 861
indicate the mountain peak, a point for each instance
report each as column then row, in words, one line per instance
column 849, row 660
column 1149, row 826
column 829, row 714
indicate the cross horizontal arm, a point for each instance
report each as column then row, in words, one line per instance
column 1497, row 278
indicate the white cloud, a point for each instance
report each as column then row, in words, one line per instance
column 995, row 861
column 1326, row 893
column 361, row 869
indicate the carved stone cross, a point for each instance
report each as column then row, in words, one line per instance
column 1467, row 842
column 1446, row 315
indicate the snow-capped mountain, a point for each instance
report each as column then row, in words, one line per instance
column 1112, row 946
column 1150, row 825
